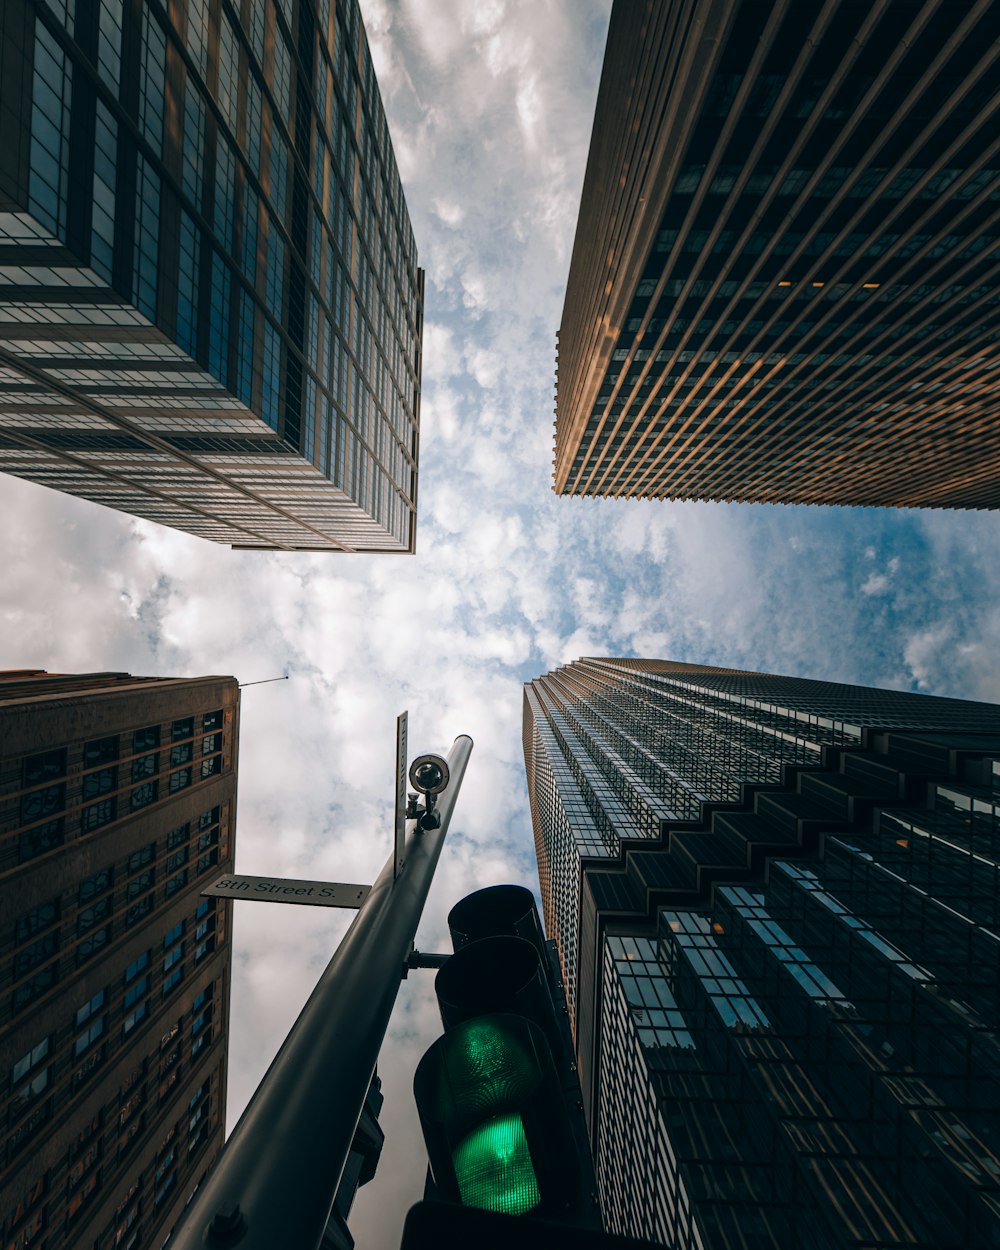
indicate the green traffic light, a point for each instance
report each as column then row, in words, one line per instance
column 493, row 1167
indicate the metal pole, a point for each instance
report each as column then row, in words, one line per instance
column 275, row 1182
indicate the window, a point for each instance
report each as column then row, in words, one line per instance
column 137, row 965
column 173, row 956
column 50, row 133
column 193, row 146
column 91, row 1007
column 41, row 803
column 101, row 751
column 82, row 1196
column 182, row 729
column 177, row 882
column 98, row 814
column 35, row 953
column 83, row 1164
column 147, row 242
column 212, row 720
column 180, row 780
column 26, row 1207
column 28, row 1076
column 176, row 837
column 211, row 767
column 200, row 1021
column 40, row 839
column 143, row 795
column 132, row 1018
column 109, row 42
column 139, row 859
column 34, row 921
column 229, row 62
column 37, row 769
column 102, row 243
column 93, row 1031
column 208, row 818
column 97, row 940
column 206, row 861
column 138, row 910
column 180, row 754
column 145, row 766
column 151, row 81
column 177, row 860
column 187, row 284
column 101, row 782
column 218, row 348
column 35, row 986
column 174, row 935
column 141, row 883
column 172, row 981
column 93, row 915
column 95, row 884
column 135, row 992
column 144, row 739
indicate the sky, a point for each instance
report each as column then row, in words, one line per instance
column 490, row 109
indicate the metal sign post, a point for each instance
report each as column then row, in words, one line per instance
column 400, row 821
column 276, row 1179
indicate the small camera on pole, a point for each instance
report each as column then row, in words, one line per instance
column 429, row 776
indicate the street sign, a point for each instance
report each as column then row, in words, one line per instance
column 284, row 890
column 400, row 824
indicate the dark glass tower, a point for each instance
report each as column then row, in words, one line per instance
column 776, row 905
column 786, row 269
column 211, row 308
column 117, row 805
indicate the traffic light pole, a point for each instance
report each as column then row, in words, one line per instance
column 275, row 1182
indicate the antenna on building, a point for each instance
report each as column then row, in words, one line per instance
column 263, row 682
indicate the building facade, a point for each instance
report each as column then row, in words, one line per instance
column 776, row 907
column 784, row 282
column 212, row 310
column 117, row 805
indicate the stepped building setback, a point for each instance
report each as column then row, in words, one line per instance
column 117, row 806
column 777, row 910
column 211, row 310
column 784, row 285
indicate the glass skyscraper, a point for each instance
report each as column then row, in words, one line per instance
column 210, row 304
column 776, row 906
column 785, row 276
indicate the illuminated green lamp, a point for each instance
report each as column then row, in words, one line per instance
column 481, row 1094
column 493, row 1167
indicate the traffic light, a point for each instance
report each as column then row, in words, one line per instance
column 498, row 1095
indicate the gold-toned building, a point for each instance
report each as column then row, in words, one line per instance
column 784, row 283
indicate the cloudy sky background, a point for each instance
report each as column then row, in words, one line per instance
column 490, row 108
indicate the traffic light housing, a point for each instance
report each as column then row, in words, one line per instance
column 497, row 1094
column 444, row 1226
